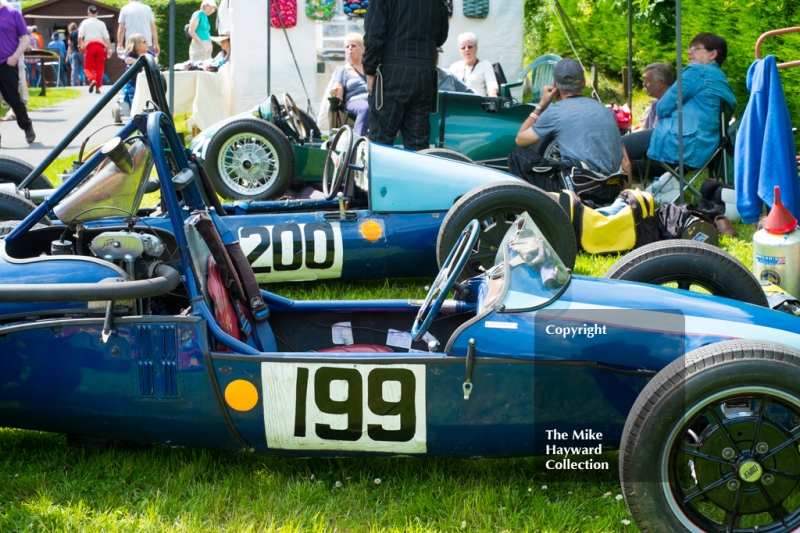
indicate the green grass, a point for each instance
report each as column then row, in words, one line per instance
column 47, row 486
column 54, row 96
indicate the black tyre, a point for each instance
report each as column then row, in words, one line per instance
column 310, row 124
column 690, row 265
column 447, row 154
column 116, row 113
column 13, row 207
column 7, row 226
column 496, row 206
column 250, row 159
column 13, row 170
column 711, row 444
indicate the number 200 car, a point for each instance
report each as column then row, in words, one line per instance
column 130, row 332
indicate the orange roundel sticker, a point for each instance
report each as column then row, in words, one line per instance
column 371, row 230
column 241, row 395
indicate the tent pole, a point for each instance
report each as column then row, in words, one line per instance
column 629, row 88
column 171, row 91
column 269, row 51
column 678, row 68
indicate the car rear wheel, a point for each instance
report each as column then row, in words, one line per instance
column 447, row 154
column 497, row 206
column 13, row 170
column 13, row 207
column 250, row 159
column 690, row 265
column 711, row 444
column 7, row 226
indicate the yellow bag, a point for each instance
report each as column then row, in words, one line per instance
column 632, row 226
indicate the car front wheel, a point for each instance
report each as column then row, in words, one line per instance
column 497, row 206
column 690, row 265
column 711, row 444
column 250, row 159
column 13, row 170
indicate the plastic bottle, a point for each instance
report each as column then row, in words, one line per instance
column 776, row 249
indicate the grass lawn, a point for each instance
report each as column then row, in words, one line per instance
column 53, row 96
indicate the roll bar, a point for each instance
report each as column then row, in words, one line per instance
column 772, row 33
column 146, row 63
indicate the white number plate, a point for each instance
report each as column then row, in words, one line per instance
column 347, row 407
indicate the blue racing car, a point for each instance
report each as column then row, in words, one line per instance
column 115, row 328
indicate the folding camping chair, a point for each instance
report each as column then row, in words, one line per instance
column 717, row 164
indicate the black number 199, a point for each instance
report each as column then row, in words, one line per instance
column 353, row 405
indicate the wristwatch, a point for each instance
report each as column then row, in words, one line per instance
column 538, row 108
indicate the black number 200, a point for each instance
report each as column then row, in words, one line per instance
column 353, row 405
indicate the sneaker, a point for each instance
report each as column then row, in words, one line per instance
column 91, row 86
column 30, row 135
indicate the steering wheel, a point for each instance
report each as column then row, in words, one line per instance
column 337, row 161
column 444, row 281
column 293, row 117
column 275, row 109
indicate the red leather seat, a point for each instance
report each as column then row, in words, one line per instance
column 359, row 348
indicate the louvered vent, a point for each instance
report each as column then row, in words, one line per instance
column 157, row 347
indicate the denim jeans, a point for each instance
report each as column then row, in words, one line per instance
column 76, row 62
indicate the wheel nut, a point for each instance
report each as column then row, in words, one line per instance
column 733, row 484
column 728, row 453
column 762, row 447
column 767, row 479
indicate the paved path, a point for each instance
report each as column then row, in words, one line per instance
column 52, row 124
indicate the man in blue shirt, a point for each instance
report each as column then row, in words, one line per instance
column 58, row 45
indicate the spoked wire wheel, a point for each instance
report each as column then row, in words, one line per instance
column 250, row 159
column 249, row 162
column 734, row 464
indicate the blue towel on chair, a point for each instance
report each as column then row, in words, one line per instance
column 765, row 154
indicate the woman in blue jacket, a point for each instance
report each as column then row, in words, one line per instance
column 704, row 88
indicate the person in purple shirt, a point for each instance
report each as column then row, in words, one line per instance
column 14, row 41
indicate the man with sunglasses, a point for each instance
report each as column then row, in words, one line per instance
column 401, row 37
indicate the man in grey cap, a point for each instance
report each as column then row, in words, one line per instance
column 584, row 129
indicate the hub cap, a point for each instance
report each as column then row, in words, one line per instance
column 248, row 163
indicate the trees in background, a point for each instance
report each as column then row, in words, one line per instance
column 602, row 26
